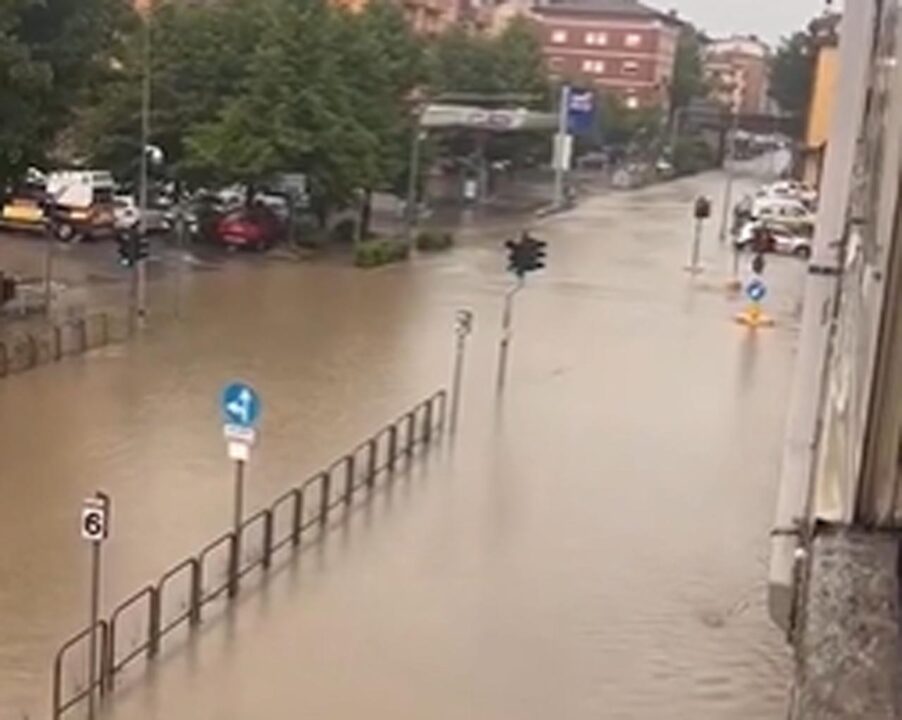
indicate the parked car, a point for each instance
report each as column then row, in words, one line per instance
column 254, row 227
column 789, row 213
column 127, row 214
column 593, row 161
column 790, row 190
column 776, row 239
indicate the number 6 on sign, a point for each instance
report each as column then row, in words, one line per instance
column 94, row 519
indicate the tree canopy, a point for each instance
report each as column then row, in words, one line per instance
column 49, row 52
column 243, row 89
column 511, row 63
column 688, row 74
column 792, row 75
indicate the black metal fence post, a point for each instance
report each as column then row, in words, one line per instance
column 392, row 446
column 427, row 423
column 297, row 517
column 196, row 599
column 154, row 623
column 324, row 499
column 411, row 418
column 349, row 478
column 106, row 658
column 267, row 539
column 371, row 465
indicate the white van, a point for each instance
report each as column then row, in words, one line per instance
column 82, row 204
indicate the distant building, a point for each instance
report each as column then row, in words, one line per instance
column 425, row 17
column 737, row 70
column 500, row 14
column 621, row 46
column 823, row 93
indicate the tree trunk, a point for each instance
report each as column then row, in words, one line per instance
column 366, row 214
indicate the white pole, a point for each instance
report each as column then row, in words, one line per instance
column 560, row 147
column 856, row 29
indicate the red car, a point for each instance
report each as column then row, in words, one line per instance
column 255, row 228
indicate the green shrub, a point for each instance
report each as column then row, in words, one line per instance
column 433, row 240
column 374, row 253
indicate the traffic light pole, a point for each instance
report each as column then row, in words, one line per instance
column 506, row 333
column 140, row 267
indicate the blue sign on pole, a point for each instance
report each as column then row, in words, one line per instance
column 240, row 405
column 756, row 290
column 580, row 111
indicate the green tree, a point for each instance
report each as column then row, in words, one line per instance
column 792, row 75
column 688, row 74
column 324, row 95
column 49, row 52
column 511, row 63
column 200, row 54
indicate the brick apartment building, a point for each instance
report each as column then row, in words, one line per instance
column 737, row 70
column 621, row 46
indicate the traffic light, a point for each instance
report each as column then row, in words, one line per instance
column 526, row 254
column 132, row 247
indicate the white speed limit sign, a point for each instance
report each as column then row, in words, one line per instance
column 94, row 519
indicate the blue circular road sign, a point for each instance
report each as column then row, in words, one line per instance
column 756, row 290
column 240, row 405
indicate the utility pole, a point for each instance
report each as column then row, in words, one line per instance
column 856, row 35
column 139, row 272
column 730, row 162
column 560, row 147
column 507, row 320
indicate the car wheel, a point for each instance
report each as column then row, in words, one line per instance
column 65, row 233
column 803, row 252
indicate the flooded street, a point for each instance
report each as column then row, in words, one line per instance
column 593, row 545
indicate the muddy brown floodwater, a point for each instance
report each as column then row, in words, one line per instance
column 591, row 546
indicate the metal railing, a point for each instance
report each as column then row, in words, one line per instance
column 38, row 344
column 137, row 626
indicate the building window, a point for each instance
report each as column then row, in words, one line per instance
column 632, row 102
column 596, row 38
column 630, row 67
column 559, row 36
column 593, row 66
column 633, row 40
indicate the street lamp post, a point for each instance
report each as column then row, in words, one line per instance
column 730, row 162
column 139, row 269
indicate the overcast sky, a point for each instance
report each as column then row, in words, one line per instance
column 769, row 19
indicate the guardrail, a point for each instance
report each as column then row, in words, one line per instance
column 31, row 346
column 137, row 626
